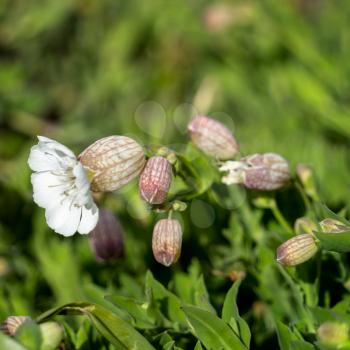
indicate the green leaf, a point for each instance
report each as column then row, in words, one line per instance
column 213, row 332
column 289, row 340
column 168, row 303
column 197, row 170
column 284, row 336
column 324, row 213
column 29, row 335
column 231, row 315
column 138, row 310
column 301, row 345
column 336, row 242
column 9, row 344
column 201, row 296
column 198, row 346
column 120, row 333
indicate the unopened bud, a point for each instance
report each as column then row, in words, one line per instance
column 52, row 335
column 113, row 161
column 213, row 138
column 297, row 250
column 106, row 239
column 333, row 226
column 166, row 241
column 155, row 180
column 179, row 206
column 12, row 323
column 305, row 175
column 333, row 333
column 264, row 172
column 304, row 225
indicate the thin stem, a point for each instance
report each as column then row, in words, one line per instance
column 303, row 196
column 280, row 218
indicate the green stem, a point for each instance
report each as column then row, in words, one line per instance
column 304, row 197
column 280, row 218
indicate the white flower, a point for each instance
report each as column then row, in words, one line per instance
column 62, row 188
column 235, row 171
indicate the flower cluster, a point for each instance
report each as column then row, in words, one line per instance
column 65, row 185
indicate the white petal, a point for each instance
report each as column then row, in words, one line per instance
column 46, row 188
column 89, row 219
column 44, row 139
column 81, row 179
column 232, row 165
column 39, row 161
column 46, row 143
column 58, row 214
column 64, row 219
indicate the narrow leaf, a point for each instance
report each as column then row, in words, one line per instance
column 231, row 315
column 336, row 242
column 112, row 327
column 213, row 332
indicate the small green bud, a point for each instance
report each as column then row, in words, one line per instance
column 52, row 335
column 333, row 333
column 179, row 206
column 297, row 250
column 306, row 177
column 304, row 225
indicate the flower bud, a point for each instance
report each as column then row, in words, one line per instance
column 333, row 333
column 155, row 180
column 264, row 172
column 113, row 162
column 306, row 176
column 304, row 225
column 12, row 323
column 213, row 138
column 166, row 241
column 52, row 335
column 333, row 226
column 106, row 240
column 297, row 250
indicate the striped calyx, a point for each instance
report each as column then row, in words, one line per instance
column 113, row 161
column 12, row 323
column 155, row 180
column 213, row 138
column 166, row 241
column 297, row 250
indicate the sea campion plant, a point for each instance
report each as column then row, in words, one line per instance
column 71, row 189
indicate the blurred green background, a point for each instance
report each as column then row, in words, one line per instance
column 276, row 72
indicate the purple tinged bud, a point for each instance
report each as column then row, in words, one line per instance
column 12, row 323
column 264, row 172
column 213, row 138
column 333, row 226
column 155, row 180
column 167, row 241
column 297, row 250
column 106, row 240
